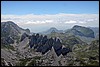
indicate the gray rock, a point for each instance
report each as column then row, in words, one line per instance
column 24, row 35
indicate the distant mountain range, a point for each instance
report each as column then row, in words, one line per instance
column 75, row 30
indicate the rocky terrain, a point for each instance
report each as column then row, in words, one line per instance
column 20, row 48
column 10, row 32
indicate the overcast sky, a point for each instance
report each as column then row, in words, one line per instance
column 40, row 16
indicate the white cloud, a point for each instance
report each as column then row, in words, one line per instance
column 90, row 19
column 48, row 20
column 71, row 21
column 29, row 22
column 60, row 20
column 36, row 22
column 81, row 22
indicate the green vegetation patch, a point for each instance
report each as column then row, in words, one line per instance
column 23, row 61
column 33, row 62
column 8, row 47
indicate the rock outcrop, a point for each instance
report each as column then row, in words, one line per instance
column 43, row 44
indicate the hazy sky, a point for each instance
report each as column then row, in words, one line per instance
column 41, row 15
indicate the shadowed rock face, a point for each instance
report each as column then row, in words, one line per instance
column 58, row 52
column 24, row 36
column 65, row 51
column 58, row 46
column 43, row 44
column 32, row 41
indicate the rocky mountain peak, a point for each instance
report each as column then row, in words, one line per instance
column 81, row 31
column 11, row 32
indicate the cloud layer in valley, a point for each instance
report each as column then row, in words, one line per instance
column 38, row 23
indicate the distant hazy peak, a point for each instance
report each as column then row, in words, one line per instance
column 53, row 28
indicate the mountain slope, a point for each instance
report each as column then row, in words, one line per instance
column 81, row 31
column 67, row 40
column 11, row 32
column 96, row 31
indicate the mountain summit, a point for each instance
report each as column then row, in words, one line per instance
column 52, row 30
column 81, row 31
column 10, row 32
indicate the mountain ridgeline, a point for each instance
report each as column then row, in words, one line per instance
column 81, row 31
column 51, row 30
column 75, row 30
column 10, row 32
column 43, row 44
column 49, row 48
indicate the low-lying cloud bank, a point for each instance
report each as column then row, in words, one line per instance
column 55, row 20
